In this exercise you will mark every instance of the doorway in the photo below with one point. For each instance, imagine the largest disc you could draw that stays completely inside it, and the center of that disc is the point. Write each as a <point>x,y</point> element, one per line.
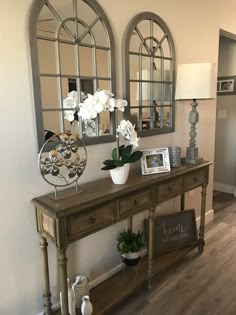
<point>225,140</point>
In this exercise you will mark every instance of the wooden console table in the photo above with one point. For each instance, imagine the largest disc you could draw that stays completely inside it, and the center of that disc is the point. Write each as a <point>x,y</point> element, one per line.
<point>100,204</point>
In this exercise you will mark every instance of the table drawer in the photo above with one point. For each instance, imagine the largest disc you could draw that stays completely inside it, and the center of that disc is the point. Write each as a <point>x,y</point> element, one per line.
<point>90,220</point>
<point>169,189</point>
<point>135,202</point>
<point>194,179</point>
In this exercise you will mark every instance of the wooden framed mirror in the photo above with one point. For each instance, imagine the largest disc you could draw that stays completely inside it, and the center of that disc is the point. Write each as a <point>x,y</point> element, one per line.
<point>149,63</point>
<point>72,48</point>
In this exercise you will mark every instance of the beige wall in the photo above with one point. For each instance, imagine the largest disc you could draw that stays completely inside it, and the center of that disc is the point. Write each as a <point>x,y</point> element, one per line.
<point>195,28</point>
<point>225,145</point>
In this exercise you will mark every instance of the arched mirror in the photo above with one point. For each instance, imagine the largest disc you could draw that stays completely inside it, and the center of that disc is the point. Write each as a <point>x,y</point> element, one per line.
<point>72,48</point>
<point>149,74</point>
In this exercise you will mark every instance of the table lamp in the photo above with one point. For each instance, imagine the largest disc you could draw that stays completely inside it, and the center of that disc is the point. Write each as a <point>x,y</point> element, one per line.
<point>195,81</point>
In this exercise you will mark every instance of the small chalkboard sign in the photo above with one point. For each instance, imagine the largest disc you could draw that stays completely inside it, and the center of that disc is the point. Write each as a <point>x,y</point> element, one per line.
<point>173,231</point>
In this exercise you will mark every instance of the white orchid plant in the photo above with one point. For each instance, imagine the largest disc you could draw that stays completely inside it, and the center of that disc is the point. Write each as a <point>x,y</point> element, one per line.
<point>104,100</point>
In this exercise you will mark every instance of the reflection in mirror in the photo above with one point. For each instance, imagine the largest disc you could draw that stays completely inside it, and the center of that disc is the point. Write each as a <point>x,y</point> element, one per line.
<point>149,68</point>
<point>72,48</point>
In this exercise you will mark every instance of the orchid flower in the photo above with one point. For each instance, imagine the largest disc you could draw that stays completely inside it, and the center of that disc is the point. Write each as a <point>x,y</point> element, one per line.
<point>89,109</point>
<point>93,105</point>
<point>126,129</point>
<point>102,100</point>
<point>121,104</point>
<point>71,101</point>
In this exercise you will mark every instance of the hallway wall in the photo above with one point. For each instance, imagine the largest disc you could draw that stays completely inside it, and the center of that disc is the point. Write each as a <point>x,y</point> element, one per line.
<point>225,144</point>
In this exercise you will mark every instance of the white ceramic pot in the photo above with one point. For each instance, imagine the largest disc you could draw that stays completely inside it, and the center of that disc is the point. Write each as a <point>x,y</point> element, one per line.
<point>130,255</point>
<point>131,259</point>
<point>119,175</point>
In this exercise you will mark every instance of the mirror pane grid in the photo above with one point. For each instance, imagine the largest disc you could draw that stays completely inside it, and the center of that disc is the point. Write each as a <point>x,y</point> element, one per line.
<point>75,50</point>
<point>67,59</point>
<point>149,53</point>
<point>47,54</point>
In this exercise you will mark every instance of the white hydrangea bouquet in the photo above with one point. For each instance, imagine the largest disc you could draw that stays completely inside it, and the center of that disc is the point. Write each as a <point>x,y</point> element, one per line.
<point>104,100</point>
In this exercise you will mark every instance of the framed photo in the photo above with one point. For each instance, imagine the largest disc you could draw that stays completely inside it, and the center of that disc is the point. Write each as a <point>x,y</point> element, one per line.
<point>155,161</point>
<point>226,85</point>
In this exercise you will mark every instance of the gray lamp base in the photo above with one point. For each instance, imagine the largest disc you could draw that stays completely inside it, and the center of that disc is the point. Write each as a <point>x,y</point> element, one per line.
<point>192,156</point>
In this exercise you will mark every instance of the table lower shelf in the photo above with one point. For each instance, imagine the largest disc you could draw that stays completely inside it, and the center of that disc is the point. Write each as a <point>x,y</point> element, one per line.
<point>116,289</point>
<point>124,283</point>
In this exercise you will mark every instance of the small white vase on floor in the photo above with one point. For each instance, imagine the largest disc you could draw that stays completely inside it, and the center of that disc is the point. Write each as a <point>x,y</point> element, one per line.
<point>86,307</point>
<point>119,175</point>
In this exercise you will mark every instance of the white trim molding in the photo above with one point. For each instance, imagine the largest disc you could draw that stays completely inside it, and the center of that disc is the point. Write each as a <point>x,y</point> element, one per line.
<point>225,188</point>
<point>209,216</point>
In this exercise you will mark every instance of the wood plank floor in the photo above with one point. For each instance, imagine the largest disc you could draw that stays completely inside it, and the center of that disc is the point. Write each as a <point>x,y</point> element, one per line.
<point>196,285</point>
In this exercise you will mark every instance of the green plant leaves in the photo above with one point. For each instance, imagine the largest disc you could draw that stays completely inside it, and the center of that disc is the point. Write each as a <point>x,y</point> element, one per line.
<point>108,167</point>
<point>128,241</point>
<point>121,150</point>
<point>110,164</point>
<point>135,156</point>
<point>125,156</point>
<point>114,154</point>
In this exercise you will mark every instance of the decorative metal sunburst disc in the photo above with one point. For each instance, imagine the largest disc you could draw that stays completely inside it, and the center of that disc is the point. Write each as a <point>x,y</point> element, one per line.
<point>62,160</point>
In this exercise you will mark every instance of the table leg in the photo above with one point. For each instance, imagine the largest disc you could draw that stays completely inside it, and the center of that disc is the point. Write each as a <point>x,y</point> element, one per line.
<point>46,292</point>
<point>62,260</point>
<point>182,201</point>
<point>150,247</point>
<point>202,219</point>
<point>130,223</point>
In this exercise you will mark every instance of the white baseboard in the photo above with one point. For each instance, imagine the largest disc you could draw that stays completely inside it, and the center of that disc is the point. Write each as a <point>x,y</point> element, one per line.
<point>209,216</point>
<point>105,276</point>
<point>55,307</point>
<point>110,273</point>
<point>225,188</point>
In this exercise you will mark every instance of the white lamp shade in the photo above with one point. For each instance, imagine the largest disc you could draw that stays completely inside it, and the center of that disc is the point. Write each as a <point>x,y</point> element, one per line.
<point>196,81</point>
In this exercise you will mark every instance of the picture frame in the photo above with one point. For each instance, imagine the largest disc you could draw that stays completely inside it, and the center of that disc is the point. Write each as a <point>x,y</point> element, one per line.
<point>155,161</point>
<point>226,85</point>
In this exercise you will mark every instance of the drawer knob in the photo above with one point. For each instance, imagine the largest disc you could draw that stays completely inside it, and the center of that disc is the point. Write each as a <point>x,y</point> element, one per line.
<point>169,189</point>
<point>92,220</point>
<point>195,179</point>
<point>135,202</point>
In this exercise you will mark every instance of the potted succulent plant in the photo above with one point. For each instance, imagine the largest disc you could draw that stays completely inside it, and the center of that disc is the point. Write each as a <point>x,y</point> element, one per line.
<point>129,244</point>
